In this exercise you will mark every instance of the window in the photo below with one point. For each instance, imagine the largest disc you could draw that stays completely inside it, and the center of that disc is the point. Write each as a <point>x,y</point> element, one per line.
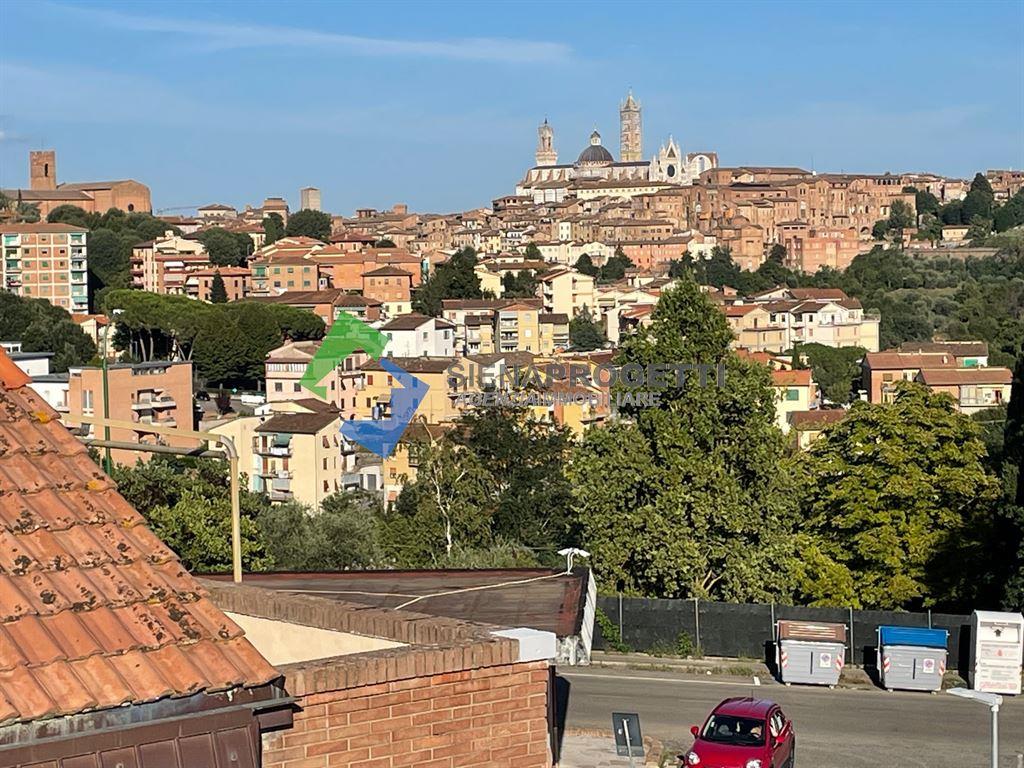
<point>327,487</point>
<point>278,386</point>
<point>87,401</point>
<point>296,387</point>
<point>792,394</point>
<point>325,462</point>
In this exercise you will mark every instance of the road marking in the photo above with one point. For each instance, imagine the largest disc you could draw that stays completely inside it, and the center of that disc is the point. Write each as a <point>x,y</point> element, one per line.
<point>740,682</point>
<point>757,680</point>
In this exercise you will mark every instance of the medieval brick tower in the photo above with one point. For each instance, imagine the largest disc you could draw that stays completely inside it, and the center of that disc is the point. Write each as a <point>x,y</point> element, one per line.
<point>42,169</point>
<point>631,148</point>
<point>546,154</point>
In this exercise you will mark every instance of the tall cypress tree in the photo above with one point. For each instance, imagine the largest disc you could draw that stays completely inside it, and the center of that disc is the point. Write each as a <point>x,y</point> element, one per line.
<point>218,293</point>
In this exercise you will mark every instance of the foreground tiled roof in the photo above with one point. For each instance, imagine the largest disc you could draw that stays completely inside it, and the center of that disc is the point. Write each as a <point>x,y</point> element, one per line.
<point>95,611</point>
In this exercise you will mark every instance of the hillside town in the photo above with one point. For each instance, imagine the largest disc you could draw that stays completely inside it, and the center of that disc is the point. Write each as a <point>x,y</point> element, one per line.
<point>593,243</point>
<point>736,386</point>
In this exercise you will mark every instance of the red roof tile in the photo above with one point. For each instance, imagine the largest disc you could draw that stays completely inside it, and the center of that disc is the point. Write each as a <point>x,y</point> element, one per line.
<point>95,611</point>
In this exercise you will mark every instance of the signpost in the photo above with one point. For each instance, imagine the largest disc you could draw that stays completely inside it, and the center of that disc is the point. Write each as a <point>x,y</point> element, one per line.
<point>993,702</point>
<point>628,740</point>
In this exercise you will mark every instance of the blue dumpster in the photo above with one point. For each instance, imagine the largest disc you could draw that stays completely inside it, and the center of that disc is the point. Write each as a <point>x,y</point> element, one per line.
<point>911,658</point>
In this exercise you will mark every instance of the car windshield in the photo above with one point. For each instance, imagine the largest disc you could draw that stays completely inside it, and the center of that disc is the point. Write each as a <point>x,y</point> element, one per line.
<point>729,729</point>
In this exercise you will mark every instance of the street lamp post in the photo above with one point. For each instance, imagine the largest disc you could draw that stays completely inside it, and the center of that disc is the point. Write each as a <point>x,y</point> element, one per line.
<point>993,702</point>
<point>107,464</point>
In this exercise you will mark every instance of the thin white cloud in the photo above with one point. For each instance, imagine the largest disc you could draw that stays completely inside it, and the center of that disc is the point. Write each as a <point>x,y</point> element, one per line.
<point>217,36</point>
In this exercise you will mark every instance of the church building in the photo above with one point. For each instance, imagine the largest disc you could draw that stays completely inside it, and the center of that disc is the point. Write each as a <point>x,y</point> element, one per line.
<point>596,163</point>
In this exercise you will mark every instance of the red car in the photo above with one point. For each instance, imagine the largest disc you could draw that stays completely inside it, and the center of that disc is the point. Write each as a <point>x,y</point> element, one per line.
<point>743,733</point>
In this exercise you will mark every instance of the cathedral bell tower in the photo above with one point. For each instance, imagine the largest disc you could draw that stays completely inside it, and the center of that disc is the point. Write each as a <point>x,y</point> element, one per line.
<point>631,136</point>
<point>546,154</point>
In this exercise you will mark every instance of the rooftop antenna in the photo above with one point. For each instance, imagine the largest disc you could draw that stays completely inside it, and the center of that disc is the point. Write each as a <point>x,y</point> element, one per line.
<point>569,553</point>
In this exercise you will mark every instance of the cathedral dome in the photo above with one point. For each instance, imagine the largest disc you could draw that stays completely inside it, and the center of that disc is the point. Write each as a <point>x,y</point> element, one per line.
<point>595,154</point>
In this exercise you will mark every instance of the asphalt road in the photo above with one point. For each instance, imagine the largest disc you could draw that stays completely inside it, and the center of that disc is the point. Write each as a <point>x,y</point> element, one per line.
<point>842,728</point>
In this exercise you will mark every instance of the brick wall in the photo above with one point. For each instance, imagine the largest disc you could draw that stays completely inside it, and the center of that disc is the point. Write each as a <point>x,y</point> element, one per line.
<point>494,717</point>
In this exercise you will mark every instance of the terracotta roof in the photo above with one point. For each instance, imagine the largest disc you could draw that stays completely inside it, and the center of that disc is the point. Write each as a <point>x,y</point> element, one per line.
<point>414,364</point>
<point>95,611</point>
<point>560,318</point>
<point>906,360</point>
<point>957,348</point>
<point>955,376</point>
<point>326,296</point>
<point>801,377</point>
<point>409,322</point>
<point>387,271</point>
<point>299,423</point>
<point>41,227</point>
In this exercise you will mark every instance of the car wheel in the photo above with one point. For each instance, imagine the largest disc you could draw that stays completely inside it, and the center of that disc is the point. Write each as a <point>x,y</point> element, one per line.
<point>792,757</point>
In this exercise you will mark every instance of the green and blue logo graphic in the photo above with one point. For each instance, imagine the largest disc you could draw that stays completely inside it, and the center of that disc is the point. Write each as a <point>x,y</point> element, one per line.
<point>348,334</point>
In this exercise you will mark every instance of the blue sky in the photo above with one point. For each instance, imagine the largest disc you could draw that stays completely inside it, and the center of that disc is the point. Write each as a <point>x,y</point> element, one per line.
<point>436,105</point>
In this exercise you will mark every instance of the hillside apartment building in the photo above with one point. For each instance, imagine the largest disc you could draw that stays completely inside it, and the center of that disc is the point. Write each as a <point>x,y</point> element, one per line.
<point>46,261</point>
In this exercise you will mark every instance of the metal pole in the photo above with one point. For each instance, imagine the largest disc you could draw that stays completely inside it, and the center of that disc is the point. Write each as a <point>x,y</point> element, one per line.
<point>929,618</point>
<point>995,736</point>
<point>696,622</point>
<point>236,519</point>
<point>620,617</point>
<point>629,744</point>
<point>853,646</point>
<point>107,463</point>
<point>229,449</point>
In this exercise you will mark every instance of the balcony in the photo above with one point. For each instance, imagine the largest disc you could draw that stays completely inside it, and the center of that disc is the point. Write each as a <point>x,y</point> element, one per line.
<point>149,403</point>
<point>274,449</point>
<point>280,495</point>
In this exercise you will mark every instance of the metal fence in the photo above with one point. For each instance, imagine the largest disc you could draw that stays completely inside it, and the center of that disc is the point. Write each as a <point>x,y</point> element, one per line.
<point>747,630</point>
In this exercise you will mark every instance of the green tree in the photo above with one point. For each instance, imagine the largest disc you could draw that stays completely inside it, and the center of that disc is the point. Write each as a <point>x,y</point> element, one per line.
<point>218,292</point>
<point>952,213</point>
<point>245,246</point>
<point>72,214</point>
<point>309,223</point>
<point>585,265</point>
<point>616,266</point>
<point>834,369</point>
<point>926,202</point>
<point>692,498</point>
<point>109,259</point>
<point>187,504</point>
<point>221,246</point>
<point>520,285</point>
<point>273,228</point>
<point>586,333</point>
<point>42,327</point>
<point>492,490</point>
<point>892,490</point>
<point>777,254</point>
<point>533,253</point>
<point>1011,214</point>
<point>221,353</point>
<point>344,534</point>
<point>448,506</point>
<point>530,498</point>
<point>901,217</point>
<point>454,279</point>
<point>384,242</point>
<point>979,200</point>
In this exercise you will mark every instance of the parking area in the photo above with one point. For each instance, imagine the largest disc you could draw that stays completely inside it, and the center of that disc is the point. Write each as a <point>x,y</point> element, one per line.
<point>842,728</point>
